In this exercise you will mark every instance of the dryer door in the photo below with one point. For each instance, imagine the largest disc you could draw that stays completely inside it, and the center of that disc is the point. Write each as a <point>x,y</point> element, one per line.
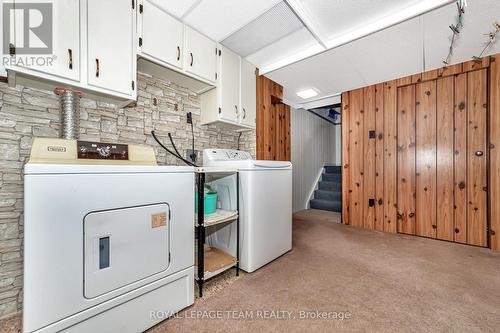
<point>124,245</point>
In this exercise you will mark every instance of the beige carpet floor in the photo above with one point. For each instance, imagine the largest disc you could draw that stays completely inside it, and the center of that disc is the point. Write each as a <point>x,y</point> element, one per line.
<point>385,282</point>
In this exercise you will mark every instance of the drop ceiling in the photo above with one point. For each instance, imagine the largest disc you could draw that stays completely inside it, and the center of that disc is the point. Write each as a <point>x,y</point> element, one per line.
<point>337,45</point>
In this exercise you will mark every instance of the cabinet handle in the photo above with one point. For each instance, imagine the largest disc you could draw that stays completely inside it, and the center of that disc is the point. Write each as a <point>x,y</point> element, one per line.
<point>244,113</point>
<point>96,67</point>
<point>178,53</point>
<point>192,59</point>
<point>236,109</point>
<point>70,56</point>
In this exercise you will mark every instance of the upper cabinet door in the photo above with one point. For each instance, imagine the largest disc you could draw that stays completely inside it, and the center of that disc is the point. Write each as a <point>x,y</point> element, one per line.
<point>162,35</point>
<point>110,45</point>
<point>248,94</point>
<point>200,55</point>
<point>56,54</point>
<point>229,85</point>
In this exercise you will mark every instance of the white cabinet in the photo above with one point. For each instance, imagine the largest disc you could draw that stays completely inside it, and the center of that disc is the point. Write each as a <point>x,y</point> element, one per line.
<point>110,31</point>
<point>168,49</point>
<point>233,102</point>
<point>64,60</point>
<point>229,85</point>
<point>248,93</point>
<point>93,48</point>
<point>160,36</point>
<point>200,55</point>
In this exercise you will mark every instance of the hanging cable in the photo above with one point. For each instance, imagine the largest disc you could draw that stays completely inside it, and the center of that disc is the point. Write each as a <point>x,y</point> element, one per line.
<point>193,153</point>
<point>171,152</point>
<point>173,144</point>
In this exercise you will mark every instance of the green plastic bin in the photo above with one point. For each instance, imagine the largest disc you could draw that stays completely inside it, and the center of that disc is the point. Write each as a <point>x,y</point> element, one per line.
<point>210,203</point>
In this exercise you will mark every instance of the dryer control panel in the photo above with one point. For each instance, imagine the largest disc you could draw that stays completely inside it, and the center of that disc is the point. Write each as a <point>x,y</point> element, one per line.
<point>61,151</point>
<point>213,155</point>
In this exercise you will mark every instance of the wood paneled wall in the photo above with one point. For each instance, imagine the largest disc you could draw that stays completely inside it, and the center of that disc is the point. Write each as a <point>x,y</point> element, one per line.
<point>272,121</point>
<point>420,154</point>
<point>369,157</point>
<point>495,152</point>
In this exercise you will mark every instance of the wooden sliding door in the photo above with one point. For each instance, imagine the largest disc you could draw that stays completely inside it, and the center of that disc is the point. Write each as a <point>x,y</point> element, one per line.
<point>445,133</point>
<point>460,160</point>
<point>476,146</point>
<point>421,154</point>
<point>425,142</point>
<point>442,166</point>
<point>406,160</point>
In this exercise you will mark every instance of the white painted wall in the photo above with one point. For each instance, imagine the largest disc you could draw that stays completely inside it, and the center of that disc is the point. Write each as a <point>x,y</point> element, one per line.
<point>336,139</point>
<point>314,143</point>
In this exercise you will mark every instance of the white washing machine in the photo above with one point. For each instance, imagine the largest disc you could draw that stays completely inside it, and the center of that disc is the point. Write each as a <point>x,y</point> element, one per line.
<point>108,241</point>
<point>265,207</point>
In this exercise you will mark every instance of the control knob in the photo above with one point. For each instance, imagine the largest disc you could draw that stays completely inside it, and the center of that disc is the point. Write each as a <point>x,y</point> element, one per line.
<point>104,151</point>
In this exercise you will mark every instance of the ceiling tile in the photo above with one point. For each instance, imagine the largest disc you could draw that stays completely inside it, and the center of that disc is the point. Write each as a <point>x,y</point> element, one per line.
<point>333,18</point>
<point>220,18</point>
<point>329,73</point>
<point>175,7</point>
<point>389,54</point>
<point>293,45</point>
<point>276,23</point>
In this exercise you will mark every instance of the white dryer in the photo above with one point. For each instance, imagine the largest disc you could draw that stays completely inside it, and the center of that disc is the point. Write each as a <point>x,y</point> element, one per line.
<point>109,241</point>
<point>265,206</point>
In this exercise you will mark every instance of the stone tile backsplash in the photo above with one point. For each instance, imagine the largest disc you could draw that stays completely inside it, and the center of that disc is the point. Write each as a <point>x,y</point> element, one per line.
<point>26,113</point>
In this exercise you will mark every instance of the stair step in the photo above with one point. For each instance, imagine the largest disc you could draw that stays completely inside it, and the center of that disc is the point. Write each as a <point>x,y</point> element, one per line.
<point>333,206</point>
<point>328,195</point>
<point>330,186</point>
<point>332,177</point>
<point>333,169</point>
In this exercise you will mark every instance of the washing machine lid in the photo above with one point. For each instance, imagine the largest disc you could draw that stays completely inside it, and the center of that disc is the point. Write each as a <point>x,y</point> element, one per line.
<point>241,160</point>
<point>248,165</point>
<point>269,165</point>
<point>34,168</point>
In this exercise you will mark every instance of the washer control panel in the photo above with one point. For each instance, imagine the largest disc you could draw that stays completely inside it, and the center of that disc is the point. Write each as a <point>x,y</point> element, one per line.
<point>225,155</point>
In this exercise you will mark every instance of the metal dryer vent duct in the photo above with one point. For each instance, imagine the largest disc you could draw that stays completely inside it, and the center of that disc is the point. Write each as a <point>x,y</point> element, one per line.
<point>70,112</point>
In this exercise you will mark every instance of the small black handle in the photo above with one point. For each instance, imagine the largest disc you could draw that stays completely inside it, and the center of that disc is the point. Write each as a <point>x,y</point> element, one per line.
<point>192,59</point>
<point>178,53</point>
<point>96,67</point>
<point>70,57</point>
<point>244,113</point>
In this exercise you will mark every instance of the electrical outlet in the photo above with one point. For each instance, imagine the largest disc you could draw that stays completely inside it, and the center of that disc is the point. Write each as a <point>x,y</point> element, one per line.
<point>190,154</point>
<point>189,118</point>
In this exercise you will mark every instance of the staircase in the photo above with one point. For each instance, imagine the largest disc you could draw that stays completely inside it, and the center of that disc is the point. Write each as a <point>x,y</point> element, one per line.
<point>328,196</point>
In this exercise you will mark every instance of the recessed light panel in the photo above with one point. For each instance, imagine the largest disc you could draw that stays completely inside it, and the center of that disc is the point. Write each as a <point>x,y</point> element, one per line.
<point>307,93</point>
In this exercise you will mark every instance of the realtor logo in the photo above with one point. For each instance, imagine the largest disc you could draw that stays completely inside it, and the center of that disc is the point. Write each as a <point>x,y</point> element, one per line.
<point>27,27</point>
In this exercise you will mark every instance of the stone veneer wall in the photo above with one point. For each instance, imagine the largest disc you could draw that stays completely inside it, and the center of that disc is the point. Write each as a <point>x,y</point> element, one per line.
<point>26,113</point>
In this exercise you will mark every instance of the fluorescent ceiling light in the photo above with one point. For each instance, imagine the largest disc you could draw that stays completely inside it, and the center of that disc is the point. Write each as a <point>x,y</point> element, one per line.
<point>307,93</point>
